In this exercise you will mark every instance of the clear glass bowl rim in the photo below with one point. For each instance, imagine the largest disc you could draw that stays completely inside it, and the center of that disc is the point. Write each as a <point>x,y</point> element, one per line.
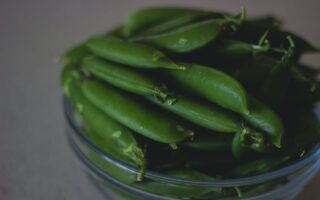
<point>312,156</point>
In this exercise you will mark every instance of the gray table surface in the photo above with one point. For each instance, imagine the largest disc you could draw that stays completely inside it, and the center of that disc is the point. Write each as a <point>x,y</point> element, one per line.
<point>35,160</point>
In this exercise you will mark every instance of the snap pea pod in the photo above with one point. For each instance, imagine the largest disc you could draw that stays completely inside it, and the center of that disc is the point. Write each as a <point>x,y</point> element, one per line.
<point>203,113</point>
<point>126,78</point>
<point>275,86</point>
<point>253,72</point>
<point>123,141</point>
<point>209,143</point>
<point>107,146</point>
<point>255,190</point>
<point>135,114</point>
<point>235,51</point>
<point>239,151</point>
<point>112,169</point>
<point>213,85</point>
<point>146,18</point>
<point>251,31</point>
<point>261,188</point>
<point>264,119</point>
<point>75,55</point>
<point>128,53</point>
<point>178,190</point>
<point>179,22</point>
<point>259,166</point>
<point>187,38</point>
<point>116,32</point>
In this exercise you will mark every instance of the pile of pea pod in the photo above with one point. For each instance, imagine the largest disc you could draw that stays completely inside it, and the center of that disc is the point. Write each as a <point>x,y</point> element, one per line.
<point>196,94</point>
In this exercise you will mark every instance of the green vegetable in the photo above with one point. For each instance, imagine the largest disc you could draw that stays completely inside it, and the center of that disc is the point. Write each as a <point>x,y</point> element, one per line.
<point>123,143</point>
<point>239,151</point>
<point>75,55</point>
<point>178,22</point>
<point>126,78</point>
<point>204,114</point>
<point>264,119</point>
<point>235,51</point>
<point>178,190</point>
<point>212,143</point>
<point>134,114</point>
<point>236,83</point>
<point>213,85</point>
<point>275,86</point>
<point>259,166</point>
<point>144,19</point>
<point>187,38</point>
<point>128,53</point>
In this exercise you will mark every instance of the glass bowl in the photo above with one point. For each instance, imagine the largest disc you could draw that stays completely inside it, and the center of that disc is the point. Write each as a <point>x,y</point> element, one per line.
<point>117,179</point>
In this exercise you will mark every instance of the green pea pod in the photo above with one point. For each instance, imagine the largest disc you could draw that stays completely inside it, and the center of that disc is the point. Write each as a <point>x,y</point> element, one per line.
<point>259,189</point>
<point>126,78</point>
<point>239,151</point>
<point>264,119</point>
<point>253,72</point>
<point>116,32</point>
<point>75,55</point>
<point>122,140</point>
<point>135,114</point>
<point>275,86</point>
<point>213,85</point>
<point>144,19</point>
<point>187,38</point>
<point>209,143</point>
<point>204,114</point>
<point>108,167</point>
<point>178,190</point>
<point>259,166</point>
<point>106,145</point>
<point>251,31</point>
<point>128,53</point>
<point>254,190</point>
<point>235,51</point>
<point>178,22</point>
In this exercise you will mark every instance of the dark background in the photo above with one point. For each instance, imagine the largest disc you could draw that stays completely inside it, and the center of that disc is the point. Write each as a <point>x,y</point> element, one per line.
<point>35,160</point>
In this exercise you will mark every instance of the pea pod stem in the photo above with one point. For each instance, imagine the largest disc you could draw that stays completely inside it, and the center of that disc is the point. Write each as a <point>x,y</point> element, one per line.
<point>255,140</point>
<point>238,20</point>
<point>263,44</point>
